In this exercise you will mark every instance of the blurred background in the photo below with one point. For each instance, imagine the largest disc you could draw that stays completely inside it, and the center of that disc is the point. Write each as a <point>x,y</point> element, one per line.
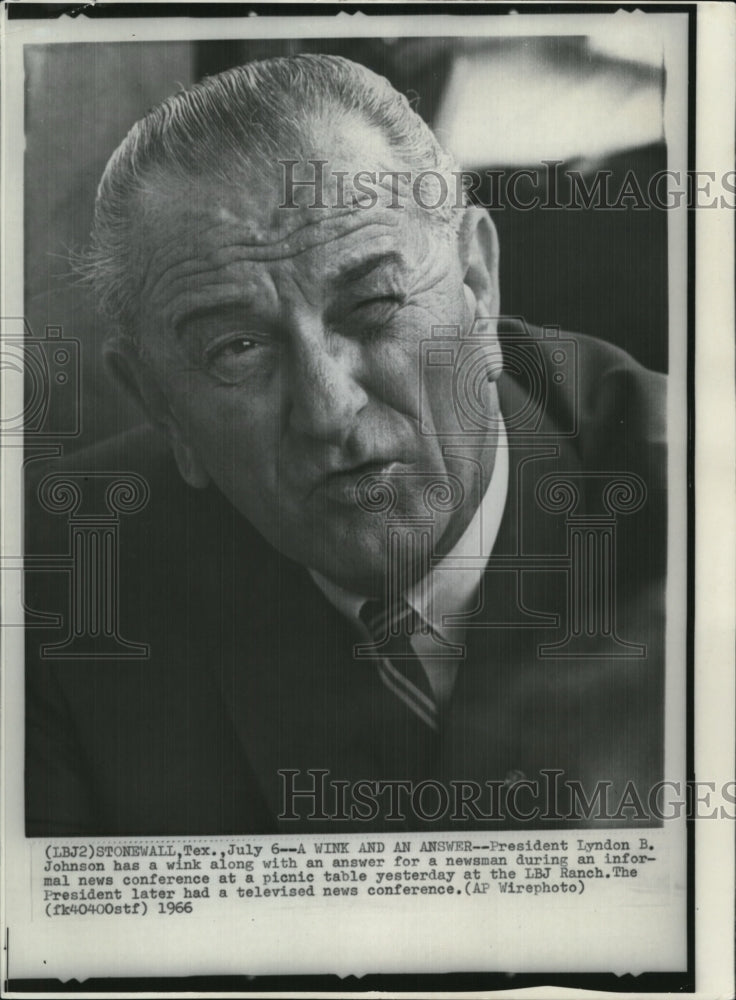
<point>592,103</point>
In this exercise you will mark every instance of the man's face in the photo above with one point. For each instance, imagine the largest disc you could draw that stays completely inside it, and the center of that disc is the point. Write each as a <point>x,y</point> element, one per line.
<point>286,343</point>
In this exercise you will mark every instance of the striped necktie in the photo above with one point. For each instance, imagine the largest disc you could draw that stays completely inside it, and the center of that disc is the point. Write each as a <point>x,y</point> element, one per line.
<point>399,667</point>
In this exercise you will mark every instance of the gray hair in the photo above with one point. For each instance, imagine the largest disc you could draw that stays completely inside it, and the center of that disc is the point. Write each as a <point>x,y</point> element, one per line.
<point>246,115</point>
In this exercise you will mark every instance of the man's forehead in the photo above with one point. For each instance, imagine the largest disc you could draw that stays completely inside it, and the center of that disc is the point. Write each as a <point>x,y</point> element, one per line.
<point>216,234</point>
<point>347,178</point>
<point>255,212</point>
<point>217,242</point>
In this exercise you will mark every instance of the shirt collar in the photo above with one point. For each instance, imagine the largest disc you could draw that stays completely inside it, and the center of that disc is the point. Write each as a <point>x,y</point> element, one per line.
<point>451,586</point>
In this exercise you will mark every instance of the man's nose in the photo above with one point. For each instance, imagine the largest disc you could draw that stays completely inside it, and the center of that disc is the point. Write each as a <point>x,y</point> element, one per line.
<point>325,392</point>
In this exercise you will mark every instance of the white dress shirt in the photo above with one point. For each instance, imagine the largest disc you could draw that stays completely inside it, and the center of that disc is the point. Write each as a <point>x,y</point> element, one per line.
<point>451,586</point>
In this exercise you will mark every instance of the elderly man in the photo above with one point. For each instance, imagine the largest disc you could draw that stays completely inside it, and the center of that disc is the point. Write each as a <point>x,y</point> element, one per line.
<point>400,562</point>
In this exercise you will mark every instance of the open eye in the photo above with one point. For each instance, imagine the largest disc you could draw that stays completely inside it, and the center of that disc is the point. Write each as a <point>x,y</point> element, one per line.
<point>229,356</point>
<point>232,348</point>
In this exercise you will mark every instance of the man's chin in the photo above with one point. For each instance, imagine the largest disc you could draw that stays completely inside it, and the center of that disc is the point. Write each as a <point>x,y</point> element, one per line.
<point>364,566</point>
<point>361,570</point>
<point>359,550</point>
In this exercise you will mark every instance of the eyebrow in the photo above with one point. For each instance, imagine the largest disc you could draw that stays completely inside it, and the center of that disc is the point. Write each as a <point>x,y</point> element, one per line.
<point>356,272</point>
<point>217,310</point>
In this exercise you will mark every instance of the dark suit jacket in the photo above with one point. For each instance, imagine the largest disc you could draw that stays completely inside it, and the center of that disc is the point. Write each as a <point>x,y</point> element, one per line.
<point>250,670</point>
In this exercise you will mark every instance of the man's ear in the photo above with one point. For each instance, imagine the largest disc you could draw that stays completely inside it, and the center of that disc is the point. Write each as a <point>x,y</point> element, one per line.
<point>134,376</point>
<point>478,246</point>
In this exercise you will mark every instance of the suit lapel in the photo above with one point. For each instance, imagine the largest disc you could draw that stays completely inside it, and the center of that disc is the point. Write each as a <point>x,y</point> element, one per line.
<point>515,713</point>
<point>488,735</point>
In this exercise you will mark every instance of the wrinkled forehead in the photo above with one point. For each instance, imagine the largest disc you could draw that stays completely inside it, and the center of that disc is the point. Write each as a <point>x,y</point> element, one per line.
<point>297,196</point>
<point>273,220</point>
<point>207,236</point>
<point>294,195</point>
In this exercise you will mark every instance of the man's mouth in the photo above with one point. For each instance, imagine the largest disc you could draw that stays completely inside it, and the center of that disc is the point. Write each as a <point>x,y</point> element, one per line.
<point>341,484</point>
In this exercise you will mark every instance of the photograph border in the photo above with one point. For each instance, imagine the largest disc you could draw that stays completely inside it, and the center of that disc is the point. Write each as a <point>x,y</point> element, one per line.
<point>682,982</point>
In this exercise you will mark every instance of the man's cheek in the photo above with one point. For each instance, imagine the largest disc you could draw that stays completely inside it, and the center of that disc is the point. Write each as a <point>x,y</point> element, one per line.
<point>396,382</point>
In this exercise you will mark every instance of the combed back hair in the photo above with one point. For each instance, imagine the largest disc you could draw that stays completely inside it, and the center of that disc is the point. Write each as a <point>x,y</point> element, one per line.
<point>247,117</point>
